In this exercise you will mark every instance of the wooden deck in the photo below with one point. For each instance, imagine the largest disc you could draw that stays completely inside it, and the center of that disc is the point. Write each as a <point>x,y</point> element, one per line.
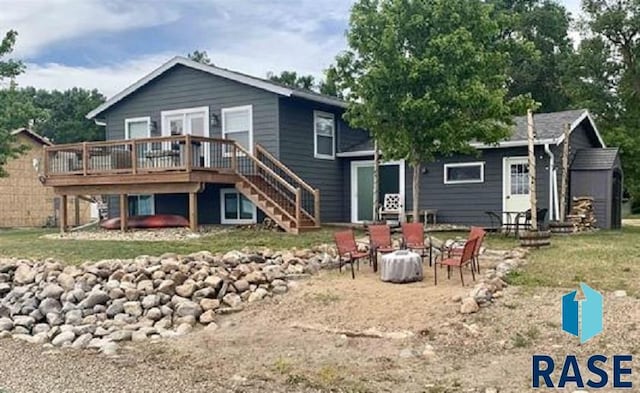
<point>181,164</point>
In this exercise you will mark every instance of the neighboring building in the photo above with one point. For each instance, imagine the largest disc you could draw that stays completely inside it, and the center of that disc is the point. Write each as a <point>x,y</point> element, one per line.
<point>297,143</point>
<point>24,201</point>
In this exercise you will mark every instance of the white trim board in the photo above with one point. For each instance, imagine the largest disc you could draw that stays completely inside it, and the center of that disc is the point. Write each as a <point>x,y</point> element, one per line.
<point>243,108</point>
<point>464,164</point>
<point>165,131</point>
<point>129,120</point>
<point>353,186</point>
<point>225,221</point>
<point>217,71</point>
<point>317,155</point>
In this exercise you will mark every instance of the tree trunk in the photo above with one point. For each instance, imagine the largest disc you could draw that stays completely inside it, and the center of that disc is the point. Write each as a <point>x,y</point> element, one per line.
<point>532,172</point>
<point>565,174</point>
<point>417,172</point>
<point>376,180</point>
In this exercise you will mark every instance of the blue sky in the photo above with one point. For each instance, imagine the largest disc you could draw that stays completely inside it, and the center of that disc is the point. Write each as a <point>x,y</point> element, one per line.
<point>108,44</point>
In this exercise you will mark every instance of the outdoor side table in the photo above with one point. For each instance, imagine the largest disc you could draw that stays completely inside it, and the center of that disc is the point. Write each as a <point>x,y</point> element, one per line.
<point>401,266</point>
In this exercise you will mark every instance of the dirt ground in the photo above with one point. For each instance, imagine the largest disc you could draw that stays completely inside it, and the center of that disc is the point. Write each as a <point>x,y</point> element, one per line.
<point>263,349</point>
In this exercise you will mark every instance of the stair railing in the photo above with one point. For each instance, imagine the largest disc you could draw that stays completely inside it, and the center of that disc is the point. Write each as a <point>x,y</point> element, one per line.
<point>309,196</point>
<point>264,180</point>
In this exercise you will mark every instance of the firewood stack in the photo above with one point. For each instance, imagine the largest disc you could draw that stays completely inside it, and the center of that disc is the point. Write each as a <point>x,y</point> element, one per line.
<point>582,214</point>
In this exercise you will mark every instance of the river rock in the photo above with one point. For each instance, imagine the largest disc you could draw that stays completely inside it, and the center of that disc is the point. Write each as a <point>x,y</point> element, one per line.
<point>24,274</point>
<point>63,338</point>
<point>133,308</point>
<point>94,298</point>
<point>6,324</point>
<point>469,306</point>
<point>188,308</point>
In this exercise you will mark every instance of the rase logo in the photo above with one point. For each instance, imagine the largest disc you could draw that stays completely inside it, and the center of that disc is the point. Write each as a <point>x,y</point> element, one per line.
<point>591,323</point>
<point>583,319</point>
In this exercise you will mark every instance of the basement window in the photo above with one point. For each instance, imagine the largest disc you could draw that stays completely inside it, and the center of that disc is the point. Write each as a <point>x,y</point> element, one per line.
<point>235,208</point>
<point>462,173</point>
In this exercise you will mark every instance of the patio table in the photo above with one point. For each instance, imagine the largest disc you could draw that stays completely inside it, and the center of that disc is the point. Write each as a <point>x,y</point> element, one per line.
<point>401,266</point>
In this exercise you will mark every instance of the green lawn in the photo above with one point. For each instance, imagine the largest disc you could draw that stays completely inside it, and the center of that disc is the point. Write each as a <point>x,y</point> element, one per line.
<point>606,260</point>
<point>29,244</point>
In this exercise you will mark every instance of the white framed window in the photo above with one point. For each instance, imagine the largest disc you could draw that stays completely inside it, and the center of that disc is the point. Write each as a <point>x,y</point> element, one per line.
<point>137,128</point>
<point>235,208</point>
<point>464,172</point>
<point>192,121</point>
<point>142,205</point>
<point>237,124</point>
<point>324,132</point>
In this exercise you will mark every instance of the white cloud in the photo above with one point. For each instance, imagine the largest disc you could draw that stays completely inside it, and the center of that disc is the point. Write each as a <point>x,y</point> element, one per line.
<point>42,23</point>
<point>109,79</point>
<point>248,36</point>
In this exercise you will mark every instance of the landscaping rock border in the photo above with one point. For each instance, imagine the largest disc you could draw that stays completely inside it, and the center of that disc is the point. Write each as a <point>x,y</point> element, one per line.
<point>98,305</point>
<point>492,282</point>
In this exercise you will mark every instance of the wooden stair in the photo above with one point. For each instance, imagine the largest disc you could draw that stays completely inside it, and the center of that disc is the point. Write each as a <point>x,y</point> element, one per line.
<point>277,191</point>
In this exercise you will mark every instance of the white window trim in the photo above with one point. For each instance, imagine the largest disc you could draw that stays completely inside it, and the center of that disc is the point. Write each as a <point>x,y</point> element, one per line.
<point>136,120</point>
<point>243,108</point>
<point>223,220</point>
<point>165,124</point>
<point>464,164</point>
<point>315,136</point>
<point>153,201</point>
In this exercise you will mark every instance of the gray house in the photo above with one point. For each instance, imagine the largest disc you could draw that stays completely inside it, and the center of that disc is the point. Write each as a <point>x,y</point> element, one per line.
<point>321,169</point>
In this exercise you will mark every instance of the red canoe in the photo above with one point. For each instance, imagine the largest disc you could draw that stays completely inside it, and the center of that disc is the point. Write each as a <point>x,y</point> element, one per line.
<point>155,221</point>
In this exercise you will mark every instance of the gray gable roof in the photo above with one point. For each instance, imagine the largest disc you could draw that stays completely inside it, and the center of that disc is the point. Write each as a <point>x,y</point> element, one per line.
<point>595,159</point>
<point>547,125</point>
<point>549,129</point>
<point>249,80</point>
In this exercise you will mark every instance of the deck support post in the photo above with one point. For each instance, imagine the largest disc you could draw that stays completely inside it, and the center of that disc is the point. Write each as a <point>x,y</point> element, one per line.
<point>63,213</point>
<point>193,211</point>
<point>76,214</point>
<point>124,212</point>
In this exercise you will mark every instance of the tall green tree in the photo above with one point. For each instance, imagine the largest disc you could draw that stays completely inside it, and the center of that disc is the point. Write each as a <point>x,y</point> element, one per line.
<point>293,79</point>
<point>608,77</point>
<point>426,78</point>
<point>9,69</point>
<point>540,50</point>
<point>65,120</point>
<point>201,56</point>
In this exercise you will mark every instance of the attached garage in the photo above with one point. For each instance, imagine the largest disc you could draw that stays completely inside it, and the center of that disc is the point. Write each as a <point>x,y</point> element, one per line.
<point>597,173</point>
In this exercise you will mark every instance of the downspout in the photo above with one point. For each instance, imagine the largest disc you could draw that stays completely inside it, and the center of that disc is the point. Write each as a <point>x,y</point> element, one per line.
<point>552,212</point>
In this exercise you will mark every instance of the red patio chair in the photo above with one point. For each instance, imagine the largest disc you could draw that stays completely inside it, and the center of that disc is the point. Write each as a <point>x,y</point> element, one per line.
<point>380,242</point>
<point>475,232</point>
<point>465,258</point>
<point>348,250</point>
<point>413,239</point>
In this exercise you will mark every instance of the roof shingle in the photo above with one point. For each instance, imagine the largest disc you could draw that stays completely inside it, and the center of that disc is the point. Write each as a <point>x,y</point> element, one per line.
<point>595,159</point>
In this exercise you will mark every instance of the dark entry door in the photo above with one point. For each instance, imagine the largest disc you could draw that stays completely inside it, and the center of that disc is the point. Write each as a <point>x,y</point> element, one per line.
<point>616,200</point>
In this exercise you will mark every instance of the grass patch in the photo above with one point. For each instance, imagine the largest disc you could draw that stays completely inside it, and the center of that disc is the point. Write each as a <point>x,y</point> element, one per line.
<point>606,260</point>
<point>27,243</point>
<point>282,366</point>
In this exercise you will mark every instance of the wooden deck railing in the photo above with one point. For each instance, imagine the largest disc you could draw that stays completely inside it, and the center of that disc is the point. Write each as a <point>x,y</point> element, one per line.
<point>133,156</point>
<point>185,153</point>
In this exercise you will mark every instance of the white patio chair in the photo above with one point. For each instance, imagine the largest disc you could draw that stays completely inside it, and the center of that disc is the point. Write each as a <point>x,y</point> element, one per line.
<point>392,206</point>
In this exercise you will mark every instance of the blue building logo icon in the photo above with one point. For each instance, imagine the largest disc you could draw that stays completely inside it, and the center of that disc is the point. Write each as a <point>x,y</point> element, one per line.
<point>582,318</point>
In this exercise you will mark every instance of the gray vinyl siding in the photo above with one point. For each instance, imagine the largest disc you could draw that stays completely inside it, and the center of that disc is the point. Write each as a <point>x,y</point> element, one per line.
<point>296,152</point>
<point>466,204</point>
<point>208,205</point>
<point>582,137</point>
<point>183,87</point>
<point>596,184</point>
